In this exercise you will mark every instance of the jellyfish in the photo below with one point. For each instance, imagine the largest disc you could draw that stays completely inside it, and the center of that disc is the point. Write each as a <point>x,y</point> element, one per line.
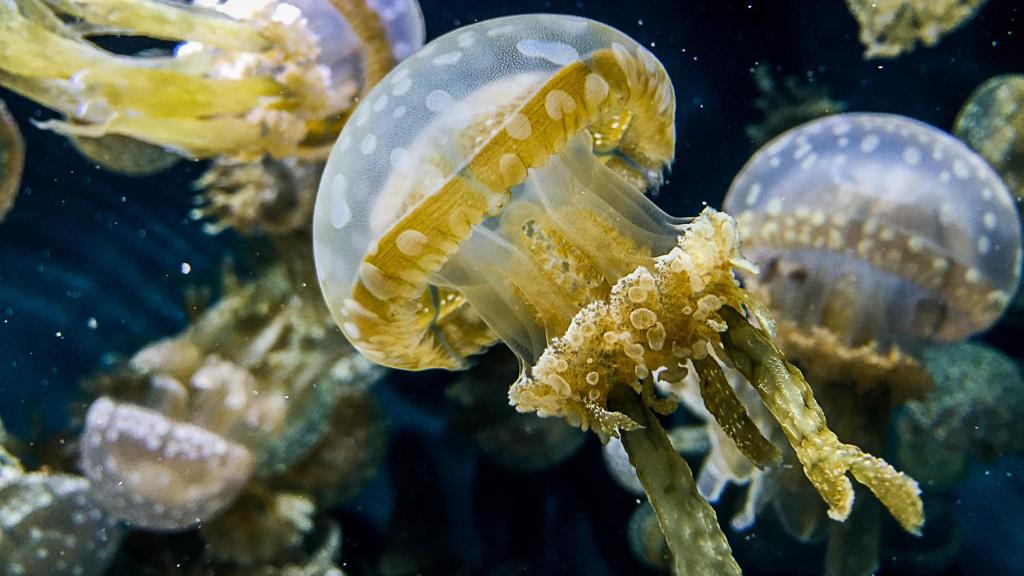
<point>880,229</point>
<point>875,235</point>
<point>124,155</point>
<point>159,472</point>
<point>974,411</point>
<point>513,439</point>
<point>992,122</point>
<point>245,391</point>
<point>245,79</point>
<point>51,524</point>
<point>889,28</point>
<point>787,104</point>
<point>490,188</point>
<point>12,160</point>
<point>350,452</point>
<point>268,196</point>
<point>261,527</point>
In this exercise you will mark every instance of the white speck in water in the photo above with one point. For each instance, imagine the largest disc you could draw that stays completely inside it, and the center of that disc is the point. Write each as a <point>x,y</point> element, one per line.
<point>186,268</point>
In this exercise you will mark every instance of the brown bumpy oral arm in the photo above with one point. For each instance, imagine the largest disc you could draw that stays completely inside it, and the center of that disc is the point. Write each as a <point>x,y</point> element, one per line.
<point>824,458</point>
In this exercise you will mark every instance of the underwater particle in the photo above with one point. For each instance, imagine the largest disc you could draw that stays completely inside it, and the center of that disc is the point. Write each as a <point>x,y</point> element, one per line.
<point>12,160</point>
<point>510,207</point>
<point>787,104</point>
<point>245,78</point>
<point>51,525</point>
<point>268,196</point>
<point>260,527</point>
<point>124,155</point>
<point>513,439</point>
<point>878,228</point>
<point>889,28</point>
<point>157,473</point>
<point>992,123</point>
<point>975,409</point>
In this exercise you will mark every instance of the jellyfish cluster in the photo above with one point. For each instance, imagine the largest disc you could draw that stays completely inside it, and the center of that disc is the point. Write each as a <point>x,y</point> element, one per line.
<point>509,205</point>
<point>480,204</point>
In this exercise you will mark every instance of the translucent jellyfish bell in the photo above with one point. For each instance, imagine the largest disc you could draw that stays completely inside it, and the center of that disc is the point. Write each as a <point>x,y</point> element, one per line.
<point>156,472</point>
<point>492,186</point>
<point>12,160</point>
<point>340,46</point>
<point>51,525</point>
<point>879,227</point>
<point>452,129</point>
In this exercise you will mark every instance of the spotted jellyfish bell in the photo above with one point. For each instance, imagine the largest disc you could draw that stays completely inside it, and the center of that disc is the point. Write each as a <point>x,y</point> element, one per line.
<point>50,525</point>
<point>492,187</point>
<point>156,471</point>
<point>879,228</point>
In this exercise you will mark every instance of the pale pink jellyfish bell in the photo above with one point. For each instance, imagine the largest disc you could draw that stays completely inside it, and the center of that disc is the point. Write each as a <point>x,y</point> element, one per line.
<point>879,228</point>
<point>156,472</point>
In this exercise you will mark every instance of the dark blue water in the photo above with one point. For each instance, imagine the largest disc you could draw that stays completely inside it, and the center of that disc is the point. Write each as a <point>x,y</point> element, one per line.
<point>93,265</point>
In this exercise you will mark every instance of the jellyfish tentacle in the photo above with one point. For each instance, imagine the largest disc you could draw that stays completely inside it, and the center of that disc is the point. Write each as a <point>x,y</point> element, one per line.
<point>689,523</point>
<point>824,457</point>
<point>721,401</point>
<point>378,59</point>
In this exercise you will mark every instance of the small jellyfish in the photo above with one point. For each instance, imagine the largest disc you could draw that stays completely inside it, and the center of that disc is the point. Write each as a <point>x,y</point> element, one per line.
<point>156,472</point>
<point>261,527</point>
<point>50,525</point>
<point>880,229</point>
<point>124,155</point>
<point>889,28</point>
<point>245,78</point>
<point>992,122</point>
<point>513,439</point>
<point>491,187</point>
<point>646,541</point>
<point>786,104</point>
<point>350,453</point>
<point>268,196</point>
<point>12,160</point>
<point>975,409</point>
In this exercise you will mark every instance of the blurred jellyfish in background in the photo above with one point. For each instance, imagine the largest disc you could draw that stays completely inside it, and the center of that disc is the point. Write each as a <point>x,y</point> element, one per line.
<point>992,123</point>
<point>889,28</point>
<point>50,524</point>
<point>261,88</point>
<point>247,390</point>
<point>975,410</point>
<point>516,440</point>
<point>874,235</point>
<point>491,187</point>
<point>12,160</point>
<point>246,78</point>
<point>786,103</point>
